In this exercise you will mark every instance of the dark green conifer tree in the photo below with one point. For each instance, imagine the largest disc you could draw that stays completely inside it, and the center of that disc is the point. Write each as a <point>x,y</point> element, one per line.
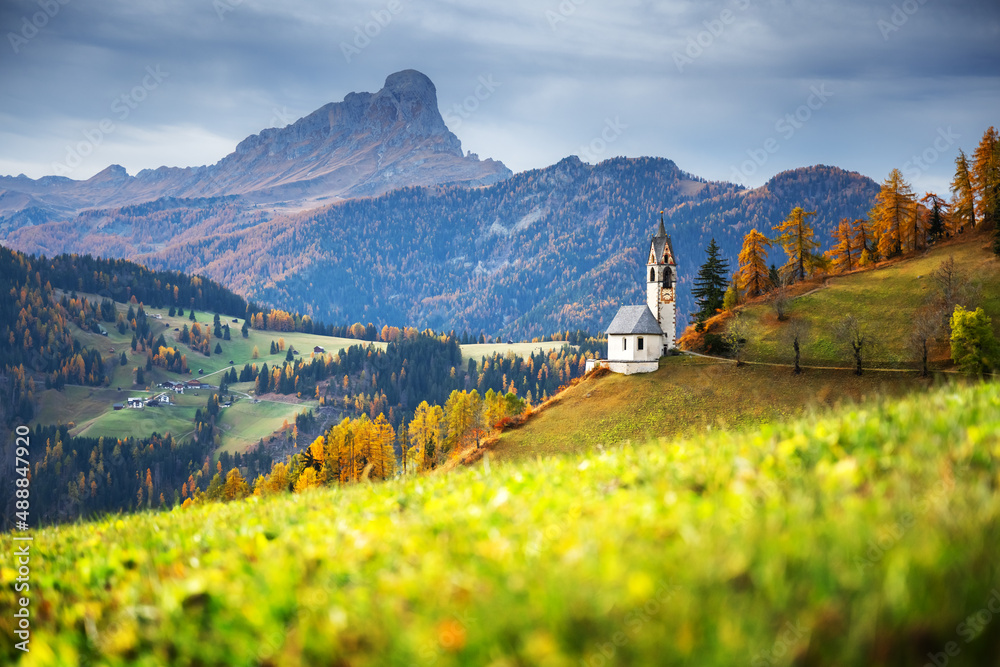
<point>710,286</point>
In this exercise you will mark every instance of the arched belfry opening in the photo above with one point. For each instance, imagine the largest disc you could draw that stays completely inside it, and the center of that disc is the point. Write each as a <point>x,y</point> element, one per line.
<point>652,275</point>
<point>668,281</point>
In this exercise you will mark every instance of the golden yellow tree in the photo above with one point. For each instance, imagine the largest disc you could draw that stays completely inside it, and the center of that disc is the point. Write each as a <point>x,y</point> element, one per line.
<point>753,278</point>
<point>844,253</point>
<point>275,482</point>
<point>425,435</point>
<point>383,454</point>
<point>236,487</point>
<point>963,198</point>
<point>985,178</point>
<point>796,237</point>
<point>894,216</point>
<point>307,480</point>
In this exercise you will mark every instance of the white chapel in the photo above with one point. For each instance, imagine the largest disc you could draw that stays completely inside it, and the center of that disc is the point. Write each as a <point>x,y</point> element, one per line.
<point>639,335</point>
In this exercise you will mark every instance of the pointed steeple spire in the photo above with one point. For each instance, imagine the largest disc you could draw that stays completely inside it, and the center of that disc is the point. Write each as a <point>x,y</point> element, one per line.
<point>662,231</point>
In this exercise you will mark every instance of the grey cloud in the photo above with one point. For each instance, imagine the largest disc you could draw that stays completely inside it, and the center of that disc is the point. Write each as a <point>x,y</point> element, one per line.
<point>566,66</point>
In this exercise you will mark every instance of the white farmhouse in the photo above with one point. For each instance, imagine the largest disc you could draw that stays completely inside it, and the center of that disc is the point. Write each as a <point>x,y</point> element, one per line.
<point>639,335</point>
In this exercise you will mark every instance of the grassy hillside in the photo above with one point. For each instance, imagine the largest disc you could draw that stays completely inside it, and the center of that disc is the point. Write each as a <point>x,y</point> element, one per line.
<point>687,395</point>
<point>887,299</point>
<point>865,537</point>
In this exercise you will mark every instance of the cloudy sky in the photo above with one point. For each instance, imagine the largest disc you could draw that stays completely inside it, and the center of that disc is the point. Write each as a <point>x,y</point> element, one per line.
<point>733,90</point>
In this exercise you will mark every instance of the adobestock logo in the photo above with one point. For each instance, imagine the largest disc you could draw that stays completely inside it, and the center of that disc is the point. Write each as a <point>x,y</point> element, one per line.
<point>786,127</point>
<point>460,111</point>
<point>366,32</point>
<point>30,27</point>
<point>701,42</point>
<point>613,129</point>
<point>918,165</point>
<point>122,107</point>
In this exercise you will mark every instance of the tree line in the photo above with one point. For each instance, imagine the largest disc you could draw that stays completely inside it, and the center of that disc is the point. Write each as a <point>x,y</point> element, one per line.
<point>899,224</point>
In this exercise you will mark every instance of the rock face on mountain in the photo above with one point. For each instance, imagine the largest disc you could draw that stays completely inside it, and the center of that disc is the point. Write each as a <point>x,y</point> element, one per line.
<point>368,144</point>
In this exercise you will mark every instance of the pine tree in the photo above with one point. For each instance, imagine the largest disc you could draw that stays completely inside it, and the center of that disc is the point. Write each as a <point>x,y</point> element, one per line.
<point>937,216</point>
<point>963,199</point>
<point>710,286</point>
<point>796,237</point>
<point>895,216</point>
<point>753,277</point>
<point>843,253</point>
<point>773,276</point>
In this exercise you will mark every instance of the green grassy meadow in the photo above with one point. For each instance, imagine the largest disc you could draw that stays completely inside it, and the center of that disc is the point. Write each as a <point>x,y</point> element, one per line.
<point>477,351</point>
<point>862,536</point>
<point>887,299</point>
<point>687,395</point>
<point>245,423</point>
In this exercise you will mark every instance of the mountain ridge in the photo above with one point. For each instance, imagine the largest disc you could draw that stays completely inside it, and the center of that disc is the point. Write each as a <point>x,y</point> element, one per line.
<point>367,144</point>
<point>546,250</point>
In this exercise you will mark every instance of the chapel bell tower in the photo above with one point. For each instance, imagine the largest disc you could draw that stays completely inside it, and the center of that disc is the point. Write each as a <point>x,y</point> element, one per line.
<point>661,285</point>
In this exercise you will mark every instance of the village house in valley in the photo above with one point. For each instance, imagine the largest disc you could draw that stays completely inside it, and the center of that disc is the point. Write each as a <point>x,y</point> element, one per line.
<point>639,335</point>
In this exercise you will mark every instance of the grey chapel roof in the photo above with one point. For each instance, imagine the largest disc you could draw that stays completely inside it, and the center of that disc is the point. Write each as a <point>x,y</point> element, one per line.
<point>634,320</point>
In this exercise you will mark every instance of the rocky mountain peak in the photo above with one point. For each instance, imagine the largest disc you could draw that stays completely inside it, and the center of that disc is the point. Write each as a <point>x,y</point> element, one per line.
<point>368,144</point>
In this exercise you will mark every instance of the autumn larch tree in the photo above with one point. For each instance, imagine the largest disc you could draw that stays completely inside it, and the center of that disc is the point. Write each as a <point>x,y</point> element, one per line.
<point>425,435</point>
<point>235,486</point>
<point>753,277</point>
<point>710,286</point>
<point>985,177</point>
<point>894,216</point>
<point>796,237</point>
<point>843,253</point>
<point>963,199</point>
